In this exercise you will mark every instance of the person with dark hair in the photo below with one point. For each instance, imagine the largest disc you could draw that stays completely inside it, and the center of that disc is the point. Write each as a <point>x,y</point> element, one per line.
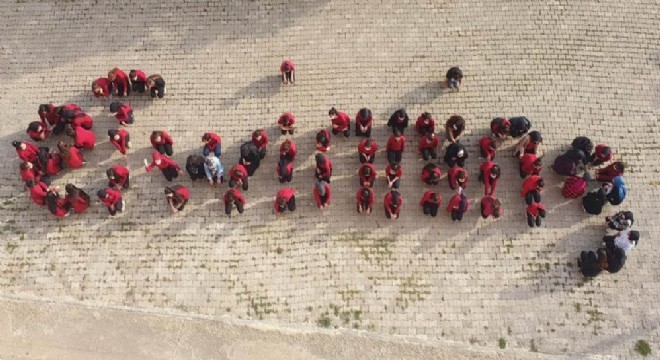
<point>238,176</point>
<point>615,192</point>
<point>393,202</point>
<point>195,167</point>
<point>71,155</point>
<point>529,164</point>
<point>568,163</point>
<point>233,197</point>
<point>56,205</point>
<point>77,119</point>
<point>428,146</point>
<point>615,260</point>
<point>365,200</point>
<point>431,174</point>
<point>215,172</point>
<point>367,151</point>
<point>77,198</point>
<point>396,144</point>
<point>399,121</point>
<point>177,197</point>
<point>454,128</point>
<point>26,151</point>
<point>288,70</point>
<point>393,174</point>
<point>611,171</point>
<point>491,206</point>
<point>488,147</point>
<point>156,86</point>
<point>531,189</point>
<point>367,174</point>
<point>458,178</point>
<point>591,264</point>
<point>48,113</point>
<point>489,174</point>
<point>122,112</point>
<point>73,108</point>
<point>120,139</point>
<point>620,221</point>
<point>285,199</point>
<point>138,80</point>
<point>120,81</point>
<point>284,170</point>
<point>425,124</point>
<point>454,77</point>
<point>593,202</point>
<point>30,172</point>
<point>430,203</point>
<point>535,213</point>
<point>260,140</point>
<point>38,131</point>
<point>575,186</point>
<point>323,140</point>
<point>529,144</point>
<point>601,155</point>
<point>112,199</point>
<point>625,240</point>
<point>363,123</point>
<point>322,194</point>
<point>167,166</point>
<point>341,122</point>
<point>288,150</point>
<point>162,142</point>
<point>287,123</point>
<point>584,144</point>
<point>118,177</point>
<point>323,167</point>
<point>500,127</point>
<point>102,87</point>
<point>520,125</point>
<point>456,155</point>
<point>250,157</point>
<point>82,138</point>
<point>38,191</point>
<point>50,163</point>
<point>458,206</point>
<point>212,144</point>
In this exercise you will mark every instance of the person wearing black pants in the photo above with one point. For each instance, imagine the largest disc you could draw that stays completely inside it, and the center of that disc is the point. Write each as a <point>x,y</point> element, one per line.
<point>232,198</point>
<point>531,189</point>
<point>396,144</point>
<point>238,175</point>
<point>430,203</point>
<point>456,155</point>
<point>156,85</point>
<point>458,205</point>
<point>162,141</point>
<point>284,200</point>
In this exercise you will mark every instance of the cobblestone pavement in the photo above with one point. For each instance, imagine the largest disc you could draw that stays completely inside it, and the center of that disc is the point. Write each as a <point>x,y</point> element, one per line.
<point>573,67</point>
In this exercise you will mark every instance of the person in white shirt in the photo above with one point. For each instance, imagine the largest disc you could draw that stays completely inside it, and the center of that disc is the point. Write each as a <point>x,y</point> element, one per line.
<point>624,240</point>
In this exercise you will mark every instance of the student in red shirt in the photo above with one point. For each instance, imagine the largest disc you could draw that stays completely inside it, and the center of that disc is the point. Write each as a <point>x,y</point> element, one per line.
<point>83,138</point>
<point>287,123</point>
<point>458,206</point>
<point>428,146</point>
<point>488,147</point>
<point>425,124</point>
<point>162,141</point>
<point>38,191</point>
<point>232,198</point>
<point>608,173</point>
<point>77,119</point>
<point>367,174</point>
<point>458,178</point>
<point>393,174</point>
<point>489,173</point>
<point>156,86</point>
<point>365,200</point>
<point>120,81</point>
<point>48,113</point>
<point>500,127</point>
<point>535,213</point>
<point>71,155</point>
<point>51,164</point>
<point>531,189</point>
<point>322,194</point>
<point>431,174</point>
<point>491,206</point>
<point>367,151</point>
<point>288,70</point>
<point>601,155</point>
<point>288,150</point>
<point>138,80</point>
<point>177,197</point>
<point>212,143</point>
<point>430,203</point>
<point>77,198</point>
<point>323,167</point>
<point>122,112</point>
<point>38,131</point>
<point>530,164</point>
<point>284,170</point>
<point>260,140</point>
<point>102,87</point>
<point>529,144</point>
<point>285,199</point>
<point>398,121</point>
<point>167,166</point>
<point>454,128</point>
<point>323,140</point>
<point>26,151</point>
<point>112,199</point>
<point>30,172</point>
<point>363,123</point>
<point>396,144</point>
<point>341,123</point>
<point>392,202</point>
<point>120,139</point>
<point>57,205</point>
<point>118,177</point>
<point>238,176</point>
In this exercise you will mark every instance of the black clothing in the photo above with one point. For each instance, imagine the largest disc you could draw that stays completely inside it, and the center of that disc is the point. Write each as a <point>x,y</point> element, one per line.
<point>520,125</point>
<point>451,155</point>
<point>588,264</point>
<point>616,258</point>
<point>195,167</point>
<point>594,201</point>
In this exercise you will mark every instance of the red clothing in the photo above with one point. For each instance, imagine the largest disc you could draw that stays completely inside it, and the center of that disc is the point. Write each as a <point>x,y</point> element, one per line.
<point>608,173</point>
<point>121,175</point>
<point>291,154</point>
<point>292,119</point>
<point>490,184</point>
<point>82,120</point>
<point>534,209</point>
<point>341,121</point>
<point>530,147</point>
<point>113,197</point>
<point>72,107</point>
<point>51,116</point>
<point>360,199</point>
<point>321,147</point>
<point>285,63</point>
<point>79,204</point>
<point>85,139</point>
<point>366,123</point>
<point>390,173</point>
<point>484,145</point>
<point>121,78</point>
<point>325,170</point>
<point>427,173</point>
<point>388,204</point>
<point>393,145</point>
<point>60,207</point>
<point>182,191</point>
<point>237,195</point>
<point>289,168</point>
<point>530,184</point>
<point>284,193</point>
<point>214,141</point>
<point>498,129</point>
<point>54,164</point>
<point>369,179</point>
<point>121,143</point>
<point>164,164</point>
<point>30,152</point>
<point>453,178</point>
<point>140,76</point>
<point>233,172</point>
<point>424,143</point>
<point>599,153</point>
<point>165,138</point>
<point>41,134</point>
<point>30,174</point>
<point>260,143</point>
<point>124,113</point>
<point>421,125</point>
<point>427,198</point>
<point>75,159</point>
<point>104,83</point>
<point>527,164</point>
<point>317,196</point>
<point>487,208</point>
<point>38,193</point>
<point>363,150</point>
<point>574,187</point>
<point>455,201</point>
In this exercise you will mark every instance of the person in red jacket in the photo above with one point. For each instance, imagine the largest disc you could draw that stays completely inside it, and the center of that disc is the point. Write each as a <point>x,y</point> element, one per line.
<point>458,178</point>
<point>531,189</point>
<point>71,155</point>
<point>288,70</point>
<point>530,164</point>
<point>431,174</point>
<point>162,141</point>
<point>238,176</point>
<point>26,151</point>
<point>120,139</point>
<point>48,113</point>
<point>38,131</point>
<point>323,167</point>
<point>212,143</point>
<point>285,199</point>
<point>323,140</point>
<point>454,128</point>
<point>284,170</point>
<point>428,146</point>
<point>232,198</point>
<point>31,172</point>
<point>287,123</point>
<point>138,80</point>
<point>608,173</point>
<point>77,119</point>
<point>393,174</point>
<point>156,86</point>
<point>102,87</point>
<point>367,174</point>
<point>77,198</point>
<point>430,203</point>
<point>112,199</point>
<point>38,191</point>
<point>425,124</point>
<point>118,177</point>
<point>177,197</point>
<point>82,138</point>
<point>535,212</point>
<point>122,112</point>
<point>488,147</point>
<point>120,82</point>
<point>57,205</point>
<point>322,194</point>
<point>50,163</point>
<point>367,151</point>
<point>601,155</point>
<point>341,123</point>
<point>363,122</point>
<point>500,127</point>
<point>458,206</point>
<point>288,150</point>
<point>365,200</point>
<point>396,144</point>
<point>393,202</point>
<point>167,166</point>
<point>260,140</point>
<point>529,144</point>
<point>491,206</point>
<point>489,174</point>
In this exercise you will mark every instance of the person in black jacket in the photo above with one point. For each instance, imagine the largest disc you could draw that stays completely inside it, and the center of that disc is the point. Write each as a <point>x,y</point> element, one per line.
<point>591,264</point>
<point>195,167</point>
<point>583,144</point>
<point>454,77</point>
<point>620,221</point>
<point>250,157</point>
<point>456,155</point>
<point>616,258</point>
<point>593,202</point>
<point>520,125</point>
<point>399,120</point>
